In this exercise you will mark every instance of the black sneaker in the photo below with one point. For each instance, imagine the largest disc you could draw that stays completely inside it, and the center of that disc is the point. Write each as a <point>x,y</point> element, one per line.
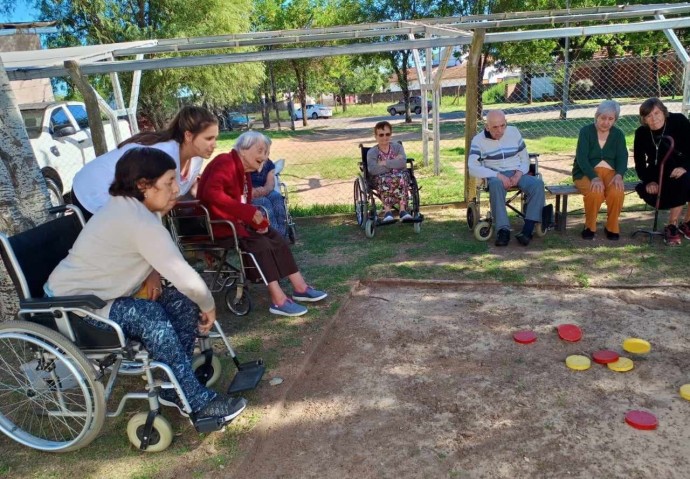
<point>587,234</point>
<point>223,407</point>
<point>612,236</point>
<point>523,239</point>
<point>502,237</point>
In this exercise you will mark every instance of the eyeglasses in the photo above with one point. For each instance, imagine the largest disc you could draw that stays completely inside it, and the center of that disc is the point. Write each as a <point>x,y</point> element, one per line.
<point>381,135</point>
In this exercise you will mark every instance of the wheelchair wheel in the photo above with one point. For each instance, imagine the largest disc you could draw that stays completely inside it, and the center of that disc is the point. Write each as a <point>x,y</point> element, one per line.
<point>238,307</point>
<point>370,228</point>
<point>292,234</point>
<point>483,230</point>
<point>51,399</point>
<point>360,200</point>
<point>161,434</point>
<point>207,375</point>
<point>539,230</point>
<point>472,214</point>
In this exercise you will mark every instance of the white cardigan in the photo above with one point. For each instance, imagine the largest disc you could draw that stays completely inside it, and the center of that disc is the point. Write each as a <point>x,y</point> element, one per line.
<point>116,251</point>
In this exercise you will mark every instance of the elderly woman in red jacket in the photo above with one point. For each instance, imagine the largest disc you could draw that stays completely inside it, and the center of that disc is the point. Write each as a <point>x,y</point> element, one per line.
<point>225,188</point>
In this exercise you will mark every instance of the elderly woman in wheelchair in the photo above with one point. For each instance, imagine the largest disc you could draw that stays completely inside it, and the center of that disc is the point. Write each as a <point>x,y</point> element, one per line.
<point>102,276</point>
<point>269,193</point>
<point>386,163</point>
<point>225,189</point>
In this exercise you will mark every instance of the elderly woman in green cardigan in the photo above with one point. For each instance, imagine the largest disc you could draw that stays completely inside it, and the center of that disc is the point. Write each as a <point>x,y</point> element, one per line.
<point>600,163</point>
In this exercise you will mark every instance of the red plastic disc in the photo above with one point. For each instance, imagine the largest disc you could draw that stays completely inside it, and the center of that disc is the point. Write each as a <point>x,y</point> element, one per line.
<point>605,356</point>
<point>641,420</point>
<point>525,337</point>
<point>569,332</point>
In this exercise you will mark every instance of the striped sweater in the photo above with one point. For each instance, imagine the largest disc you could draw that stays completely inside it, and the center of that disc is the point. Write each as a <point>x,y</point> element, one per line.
<point>488,157</point>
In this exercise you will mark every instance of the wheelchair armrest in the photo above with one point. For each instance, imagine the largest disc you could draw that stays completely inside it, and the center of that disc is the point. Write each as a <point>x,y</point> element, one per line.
<point>81,301</point>
<point>232,227</point>
<point>187,203</point>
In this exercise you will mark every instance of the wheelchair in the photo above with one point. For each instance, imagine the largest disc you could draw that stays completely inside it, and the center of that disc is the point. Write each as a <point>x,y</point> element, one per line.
<point>58,371</point>
<point>482,227</point>
<point>290,224</point>
<point>221,263</point>
<point>365,195</point>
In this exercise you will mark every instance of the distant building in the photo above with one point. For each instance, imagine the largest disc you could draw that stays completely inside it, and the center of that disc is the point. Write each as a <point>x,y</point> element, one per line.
<point>453,76</point>
<point>22,37</point>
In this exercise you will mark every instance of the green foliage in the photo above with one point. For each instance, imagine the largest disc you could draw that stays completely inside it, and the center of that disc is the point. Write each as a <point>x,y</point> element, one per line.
<point>86,22</point>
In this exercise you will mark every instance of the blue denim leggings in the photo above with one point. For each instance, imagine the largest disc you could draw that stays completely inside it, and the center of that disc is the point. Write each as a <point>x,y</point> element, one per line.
<point>275,205</point>
<point>167,329</point>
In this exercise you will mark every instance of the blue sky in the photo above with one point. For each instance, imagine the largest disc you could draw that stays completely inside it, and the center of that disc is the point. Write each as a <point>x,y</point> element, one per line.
<point>23,12</point>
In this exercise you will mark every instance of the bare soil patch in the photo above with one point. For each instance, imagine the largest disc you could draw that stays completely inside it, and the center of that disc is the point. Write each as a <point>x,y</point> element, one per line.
<point>423,380</point>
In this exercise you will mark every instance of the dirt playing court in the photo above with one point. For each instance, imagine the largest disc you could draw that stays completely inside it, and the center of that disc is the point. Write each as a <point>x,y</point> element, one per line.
<point>424,380</point>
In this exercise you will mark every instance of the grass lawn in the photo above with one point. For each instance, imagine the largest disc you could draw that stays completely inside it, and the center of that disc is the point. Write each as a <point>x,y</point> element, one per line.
<point>333,253</point>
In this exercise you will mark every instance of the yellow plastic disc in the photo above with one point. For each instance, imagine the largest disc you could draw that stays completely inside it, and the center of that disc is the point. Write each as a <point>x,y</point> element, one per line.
<point>637,346</point>
<point>622,365</point>
<point>685,391</point>
<point>577,362</point>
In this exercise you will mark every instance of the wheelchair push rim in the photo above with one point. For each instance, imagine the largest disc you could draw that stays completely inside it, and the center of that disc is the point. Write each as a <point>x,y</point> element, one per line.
<point>360,202</point>
<point>50,398</point>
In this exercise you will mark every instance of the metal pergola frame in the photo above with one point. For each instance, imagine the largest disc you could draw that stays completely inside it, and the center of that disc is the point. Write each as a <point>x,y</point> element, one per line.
<point>445,33</point>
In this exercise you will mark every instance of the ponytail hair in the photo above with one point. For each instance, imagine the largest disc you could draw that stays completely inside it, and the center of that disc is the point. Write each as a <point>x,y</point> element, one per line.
<point>193,119</point>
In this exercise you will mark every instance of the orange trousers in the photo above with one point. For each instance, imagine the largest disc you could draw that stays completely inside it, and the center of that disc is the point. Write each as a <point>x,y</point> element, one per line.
<point>593,201</point>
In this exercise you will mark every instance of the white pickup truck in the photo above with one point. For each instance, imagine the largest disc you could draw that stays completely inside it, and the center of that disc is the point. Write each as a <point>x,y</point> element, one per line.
<point>61,139</point>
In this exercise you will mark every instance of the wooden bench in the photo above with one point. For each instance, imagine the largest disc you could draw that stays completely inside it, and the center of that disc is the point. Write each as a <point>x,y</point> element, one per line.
<point>561,192</point>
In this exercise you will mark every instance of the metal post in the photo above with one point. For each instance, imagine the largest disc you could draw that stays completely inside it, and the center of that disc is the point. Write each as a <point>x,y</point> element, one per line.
<point>566,74</point>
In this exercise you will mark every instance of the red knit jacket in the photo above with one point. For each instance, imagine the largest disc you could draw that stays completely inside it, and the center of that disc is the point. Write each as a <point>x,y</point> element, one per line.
<point>220,189</point>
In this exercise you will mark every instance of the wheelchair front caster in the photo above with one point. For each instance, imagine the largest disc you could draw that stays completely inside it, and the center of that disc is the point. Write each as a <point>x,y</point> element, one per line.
<point>161,433</point>
<point>370,228</point>
<point>241,306</point>
<point>207,374</point>
<point>483,230</point>
<point>472,214</point>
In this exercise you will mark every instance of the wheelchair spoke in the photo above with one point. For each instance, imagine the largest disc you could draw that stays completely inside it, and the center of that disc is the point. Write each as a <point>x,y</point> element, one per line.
<point>46,402</point>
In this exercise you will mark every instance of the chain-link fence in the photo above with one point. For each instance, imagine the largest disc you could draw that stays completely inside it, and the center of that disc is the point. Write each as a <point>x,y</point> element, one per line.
<point>322,156</point>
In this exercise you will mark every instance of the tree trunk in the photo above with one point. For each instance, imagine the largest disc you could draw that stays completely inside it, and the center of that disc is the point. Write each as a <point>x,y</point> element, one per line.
<point>401,74</point>
<point>343,101</point>
<point>100,146</point>
<point>273,93</point>
<point>24,197</point>
<point>301,89</point>
<point>265,106</point>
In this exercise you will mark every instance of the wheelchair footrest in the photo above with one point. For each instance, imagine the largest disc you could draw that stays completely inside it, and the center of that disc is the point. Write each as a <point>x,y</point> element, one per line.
<point>417,219</point>
<point>248,376</point>
<point>379,222</point>
<point>209,424</point>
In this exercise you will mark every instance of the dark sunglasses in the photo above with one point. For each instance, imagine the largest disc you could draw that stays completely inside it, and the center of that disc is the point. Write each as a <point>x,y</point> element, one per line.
<point>381,135</point>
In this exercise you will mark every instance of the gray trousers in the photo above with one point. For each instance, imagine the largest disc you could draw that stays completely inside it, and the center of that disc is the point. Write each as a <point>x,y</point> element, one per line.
<point>533,189</point>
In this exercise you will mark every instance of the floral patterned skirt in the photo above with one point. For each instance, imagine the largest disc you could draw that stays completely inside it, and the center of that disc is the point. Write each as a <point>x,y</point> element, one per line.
<point>393,187</point>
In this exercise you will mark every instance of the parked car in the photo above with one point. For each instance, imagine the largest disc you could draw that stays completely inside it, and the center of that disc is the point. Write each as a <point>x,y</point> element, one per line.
<point>313,112</point>
<point>61,139</point>
<point>238,121</point>
<point>415,106</point>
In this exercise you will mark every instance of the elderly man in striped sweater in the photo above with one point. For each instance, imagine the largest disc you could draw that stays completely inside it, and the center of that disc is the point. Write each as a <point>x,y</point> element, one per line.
<point>499,155</point>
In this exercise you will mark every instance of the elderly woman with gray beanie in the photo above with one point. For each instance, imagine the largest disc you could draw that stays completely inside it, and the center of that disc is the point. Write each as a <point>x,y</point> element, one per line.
<point>601,160</point>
